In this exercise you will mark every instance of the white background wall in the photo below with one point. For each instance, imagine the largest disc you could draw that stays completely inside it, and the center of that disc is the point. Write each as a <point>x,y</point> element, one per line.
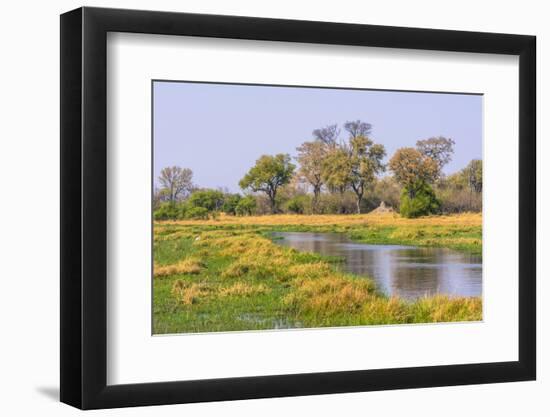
<point>29,219</point>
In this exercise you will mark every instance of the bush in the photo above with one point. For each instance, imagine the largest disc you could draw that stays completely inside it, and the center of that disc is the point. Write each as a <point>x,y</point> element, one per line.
<point>459,200</point>
<point>196,213</point>
<point>246,206</point>
<point>298,204</point>
<point>167,211</point>
<point>337,203</point>
<point>209,199</point>
<point>230,203</point>
<point>423,202</point>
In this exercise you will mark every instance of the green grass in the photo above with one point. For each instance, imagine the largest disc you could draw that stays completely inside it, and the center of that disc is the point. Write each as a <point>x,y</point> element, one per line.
<point>242,280</point>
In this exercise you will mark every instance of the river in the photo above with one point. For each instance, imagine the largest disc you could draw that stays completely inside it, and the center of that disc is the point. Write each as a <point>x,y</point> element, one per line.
<point>405,271</point>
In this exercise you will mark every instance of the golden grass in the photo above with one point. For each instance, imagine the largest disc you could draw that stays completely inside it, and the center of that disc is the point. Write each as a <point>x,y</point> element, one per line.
<point>314,292</point>
<point>385,311</point>
<point>441,308</point>
<point>243,289</point>
<point>159,235</point>
<point>189,293</point>
<point>310,270</point>
<point>186,266</point>
<point>261,266</point>
<point>330,294</point>
<point>381,219</point>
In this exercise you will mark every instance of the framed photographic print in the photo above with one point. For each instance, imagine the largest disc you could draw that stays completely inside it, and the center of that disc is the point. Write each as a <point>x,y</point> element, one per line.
<point>258,207</point>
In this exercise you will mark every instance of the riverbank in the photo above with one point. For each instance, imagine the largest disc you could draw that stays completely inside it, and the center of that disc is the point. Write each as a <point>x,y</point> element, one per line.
<point>461,231</point>
<point>226,274</point>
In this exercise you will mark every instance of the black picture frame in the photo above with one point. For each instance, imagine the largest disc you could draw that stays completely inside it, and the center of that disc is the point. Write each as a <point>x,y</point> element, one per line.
<point>84,207</point>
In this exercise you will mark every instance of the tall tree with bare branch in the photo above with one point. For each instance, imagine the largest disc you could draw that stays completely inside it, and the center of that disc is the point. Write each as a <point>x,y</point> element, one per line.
<point>327,135</point>
<point>310,157</point>
<point>439,148</point>
<point>176,182</point>
<point>357,128</point>
<point>365,163</point>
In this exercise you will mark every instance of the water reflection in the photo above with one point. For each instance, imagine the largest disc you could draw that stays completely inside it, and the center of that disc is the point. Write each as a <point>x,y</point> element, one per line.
<point>407,271</point>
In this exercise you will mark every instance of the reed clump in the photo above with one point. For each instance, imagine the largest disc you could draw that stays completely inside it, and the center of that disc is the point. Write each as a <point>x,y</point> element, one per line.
<point>442,308</point>
<point>186,266</point>
<point>243,289</point>
<point>330,294</point>
<point>190,293</point>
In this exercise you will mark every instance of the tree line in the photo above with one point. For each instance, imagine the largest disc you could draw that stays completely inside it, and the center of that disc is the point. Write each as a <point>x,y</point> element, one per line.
<point>334,172</point>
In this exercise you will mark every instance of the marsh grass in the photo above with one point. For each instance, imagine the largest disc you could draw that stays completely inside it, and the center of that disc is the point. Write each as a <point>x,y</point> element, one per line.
<point>187,266</point>
<point>223,276</point>
<point>243,289</point>
<point>459,231</point>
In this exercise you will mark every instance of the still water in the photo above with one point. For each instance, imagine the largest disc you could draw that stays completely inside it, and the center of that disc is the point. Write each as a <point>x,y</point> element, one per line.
<point>406,271</point>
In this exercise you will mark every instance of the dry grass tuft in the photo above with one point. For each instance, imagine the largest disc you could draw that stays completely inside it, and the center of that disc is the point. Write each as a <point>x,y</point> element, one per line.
<point>187,266</point>
<point>243,289</point>
<point>382,219</point>
<point>330,295</point>
<point>189,293</point>
<point>441,308</point>
<point>311,270</point>
<point>386,311</point>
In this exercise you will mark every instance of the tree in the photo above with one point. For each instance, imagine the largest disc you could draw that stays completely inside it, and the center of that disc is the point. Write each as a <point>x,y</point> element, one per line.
<point>336,170</point>
<point>211,200</point>
<point>474,175</point>
<point>327,135</point>
<point>357,128</point>
<point>310,157</point>
<point>410,166</point>
<point>423,203</point>
<point>176,182</point>
<point>365,162</point>
<point>267,175</point>
<point>440,149</point>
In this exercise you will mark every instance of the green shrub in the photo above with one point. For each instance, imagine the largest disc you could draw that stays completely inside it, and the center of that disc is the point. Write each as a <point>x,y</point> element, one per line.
<point>230,203</point>
<point>196,213</point>
<point>418,200</point>
<point>297,204</point>
<point>167,211</point>
<point>246,206</point>
<point>209,199</point>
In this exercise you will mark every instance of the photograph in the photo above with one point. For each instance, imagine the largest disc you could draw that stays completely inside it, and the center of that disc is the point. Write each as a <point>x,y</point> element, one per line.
<point>284,207</point>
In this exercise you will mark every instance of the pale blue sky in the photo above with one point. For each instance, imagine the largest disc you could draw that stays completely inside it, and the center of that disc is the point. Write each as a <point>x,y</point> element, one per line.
<point>219,130</point>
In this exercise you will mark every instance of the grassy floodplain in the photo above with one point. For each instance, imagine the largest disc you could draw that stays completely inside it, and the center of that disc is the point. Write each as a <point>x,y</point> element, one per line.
<point>227,274</point>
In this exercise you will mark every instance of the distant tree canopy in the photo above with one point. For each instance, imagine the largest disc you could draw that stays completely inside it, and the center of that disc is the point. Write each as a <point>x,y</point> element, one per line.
<point>474,174</point>
<point>267,175</point>
<point>410,166</point>
<point>333,174</point>
<point>176,182</point>
<point>336,169</point>
<point>211,200</point>
<point>439,148</point>
<point>327,135</point>
<point>340,165</point>
<point>310,157</point>
<point>417,170</point>
<point>357,128</point>
<point>365,163</point>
